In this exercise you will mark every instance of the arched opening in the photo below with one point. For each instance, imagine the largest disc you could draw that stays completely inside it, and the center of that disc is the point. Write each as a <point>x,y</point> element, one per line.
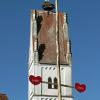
<point>55,85</point>
<point>49,83</point>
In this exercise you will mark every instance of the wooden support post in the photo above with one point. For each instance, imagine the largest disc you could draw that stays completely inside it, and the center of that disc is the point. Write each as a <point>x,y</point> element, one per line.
<point>58,51</point>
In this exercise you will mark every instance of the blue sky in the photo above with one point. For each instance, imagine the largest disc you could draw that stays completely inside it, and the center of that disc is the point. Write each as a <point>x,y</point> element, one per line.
<point>84,29</point>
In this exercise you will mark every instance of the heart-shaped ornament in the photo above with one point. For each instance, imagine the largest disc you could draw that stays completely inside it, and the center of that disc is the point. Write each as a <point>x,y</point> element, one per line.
<point>80,87</point>
<point>35,79</point>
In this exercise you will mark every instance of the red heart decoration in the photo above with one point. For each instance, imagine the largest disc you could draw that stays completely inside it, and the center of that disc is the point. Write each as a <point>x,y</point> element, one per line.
<point>35,80</point>
<point>80,87</point>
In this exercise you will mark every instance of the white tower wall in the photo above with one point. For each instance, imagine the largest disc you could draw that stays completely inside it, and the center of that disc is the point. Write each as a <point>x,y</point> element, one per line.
<point>41,91</point>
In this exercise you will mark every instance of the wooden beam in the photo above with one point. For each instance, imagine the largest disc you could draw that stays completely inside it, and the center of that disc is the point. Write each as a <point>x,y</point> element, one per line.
<point>57,84</point>
<point>58,51</point>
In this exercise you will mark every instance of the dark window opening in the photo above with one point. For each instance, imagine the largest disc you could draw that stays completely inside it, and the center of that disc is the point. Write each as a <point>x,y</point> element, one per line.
<point>41,50</point>
<point>55,85</point>
<point>49,83</point>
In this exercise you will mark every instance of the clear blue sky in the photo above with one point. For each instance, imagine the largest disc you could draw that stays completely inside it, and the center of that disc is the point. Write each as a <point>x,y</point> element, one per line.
<point>84,28</point>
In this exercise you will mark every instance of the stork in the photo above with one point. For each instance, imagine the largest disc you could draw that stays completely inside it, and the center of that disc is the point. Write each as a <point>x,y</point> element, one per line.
<point>48,6</point>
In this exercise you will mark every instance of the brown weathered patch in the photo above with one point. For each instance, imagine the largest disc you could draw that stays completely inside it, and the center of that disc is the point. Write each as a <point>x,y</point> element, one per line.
<point>47,38</point>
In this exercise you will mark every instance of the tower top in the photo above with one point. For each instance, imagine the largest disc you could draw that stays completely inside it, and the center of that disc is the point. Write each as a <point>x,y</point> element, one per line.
<point>48,6</point>
<point>47,37</point>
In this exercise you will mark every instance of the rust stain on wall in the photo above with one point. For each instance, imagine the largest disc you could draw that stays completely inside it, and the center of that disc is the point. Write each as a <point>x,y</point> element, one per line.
<point>47,37</point>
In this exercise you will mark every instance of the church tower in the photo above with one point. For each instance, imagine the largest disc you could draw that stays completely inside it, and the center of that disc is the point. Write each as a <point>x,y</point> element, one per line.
<point>42,57</point>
